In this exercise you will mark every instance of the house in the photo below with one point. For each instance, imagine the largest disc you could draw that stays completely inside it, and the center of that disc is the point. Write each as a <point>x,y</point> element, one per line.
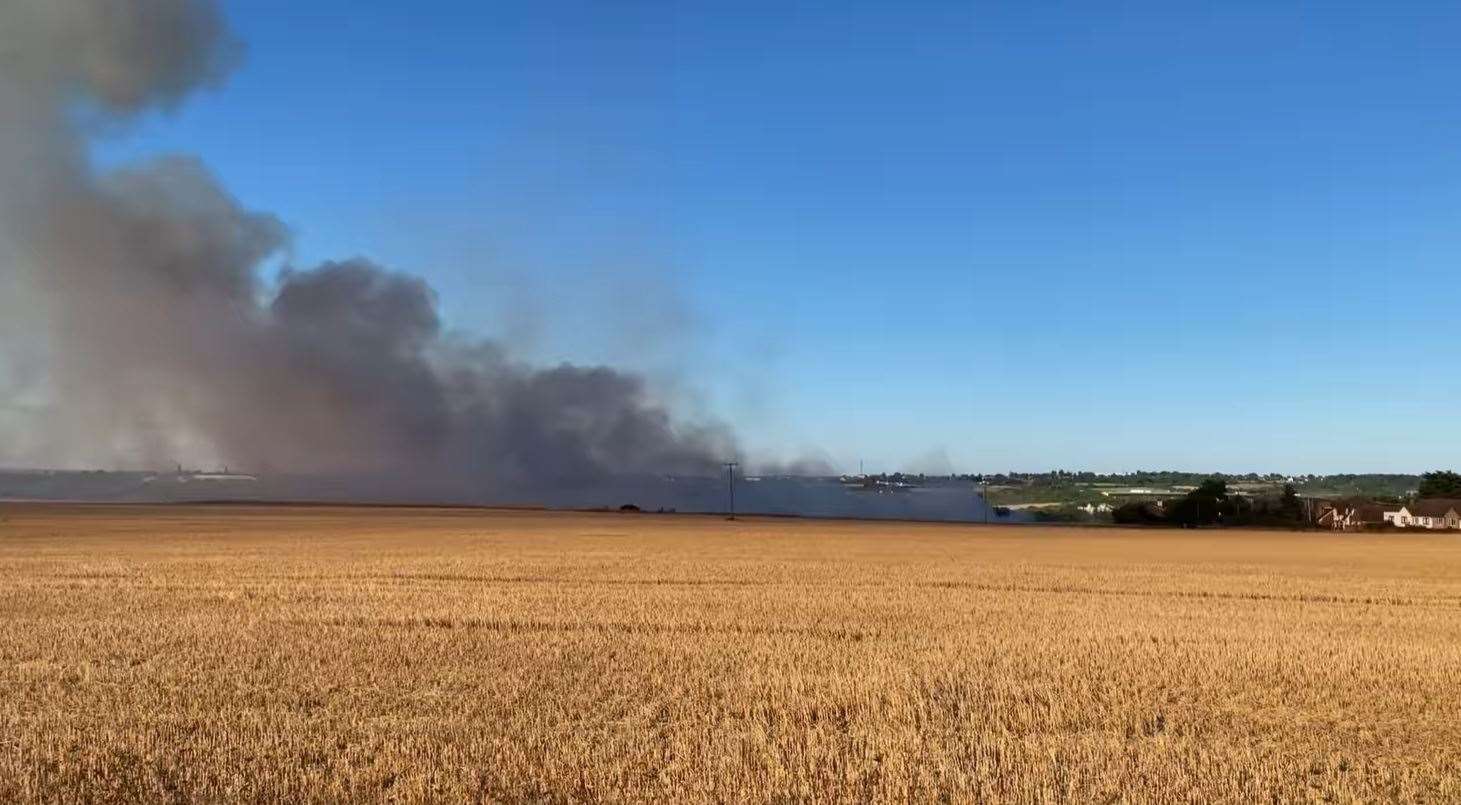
<point>1428,513</point>
<point>1431,513</point>
<point>1400,517</point>
<point>1350,516</point>
<point>1436,513</point>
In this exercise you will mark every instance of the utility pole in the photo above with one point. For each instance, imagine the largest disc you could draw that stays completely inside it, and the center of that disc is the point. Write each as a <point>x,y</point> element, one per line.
<point>730,482</point>
<point>984,497</point>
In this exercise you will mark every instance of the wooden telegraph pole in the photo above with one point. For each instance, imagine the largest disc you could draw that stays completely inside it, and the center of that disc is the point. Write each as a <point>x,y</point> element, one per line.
<point>730,481</point>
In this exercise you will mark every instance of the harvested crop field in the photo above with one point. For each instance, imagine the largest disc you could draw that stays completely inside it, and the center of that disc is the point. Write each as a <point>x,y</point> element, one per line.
<point>320,654</point>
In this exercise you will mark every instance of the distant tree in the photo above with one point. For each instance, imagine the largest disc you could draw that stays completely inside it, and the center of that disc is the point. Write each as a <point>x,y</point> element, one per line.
<point>1212,489</point>
<point>1139,512</point>
<point>1204,505</point>
<point>1061,514</point>
<point>1285,510</point>
<point>1184,512</point>
<point>1440,484</point>
<point>1239,510</point>
<point>1289,505</point>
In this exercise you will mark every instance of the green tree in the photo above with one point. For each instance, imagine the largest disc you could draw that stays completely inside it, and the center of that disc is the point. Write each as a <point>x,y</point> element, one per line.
<point>1138,512</point>
<point>1204,505</point>
<point>1440,484</point>
<point>1289,505</point>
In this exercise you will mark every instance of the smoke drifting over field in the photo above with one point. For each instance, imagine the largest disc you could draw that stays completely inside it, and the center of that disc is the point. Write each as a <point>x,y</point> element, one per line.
<point>150,334</point>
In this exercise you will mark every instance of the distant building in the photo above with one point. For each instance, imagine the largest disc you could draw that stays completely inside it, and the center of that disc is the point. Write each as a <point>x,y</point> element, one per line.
<point>1398,516</point>
<point>1348,516</point>
<point>1436,513</point>
<point>1428,513</point>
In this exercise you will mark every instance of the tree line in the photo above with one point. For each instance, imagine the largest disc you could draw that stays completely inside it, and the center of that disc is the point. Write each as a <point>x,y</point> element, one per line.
<point>1211,504</point>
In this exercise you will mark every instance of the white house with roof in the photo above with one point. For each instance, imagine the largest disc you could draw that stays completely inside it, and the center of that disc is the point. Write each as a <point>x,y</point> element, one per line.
<point>1398,516</point>
<point>1436,513</point>
<point>1428,513</point>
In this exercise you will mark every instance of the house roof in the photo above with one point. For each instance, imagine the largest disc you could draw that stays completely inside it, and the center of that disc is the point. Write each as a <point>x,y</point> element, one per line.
<point>1372,512</point>
<point>1435,507</point>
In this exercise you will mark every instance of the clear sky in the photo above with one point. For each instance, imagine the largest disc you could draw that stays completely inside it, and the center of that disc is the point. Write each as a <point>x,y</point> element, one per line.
<point>1015,235</point>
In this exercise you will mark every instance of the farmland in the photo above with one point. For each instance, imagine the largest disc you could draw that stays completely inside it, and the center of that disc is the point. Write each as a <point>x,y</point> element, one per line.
<point>320,654</point>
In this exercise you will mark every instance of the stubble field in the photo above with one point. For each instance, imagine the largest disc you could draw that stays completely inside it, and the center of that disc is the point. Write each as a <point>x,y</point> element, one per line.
<point>326,654</point>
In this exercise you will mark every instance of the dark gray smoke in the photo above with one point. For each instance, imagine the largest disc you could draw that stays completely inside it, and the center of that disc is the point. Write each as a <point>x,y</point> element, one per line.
<point>138,328</point>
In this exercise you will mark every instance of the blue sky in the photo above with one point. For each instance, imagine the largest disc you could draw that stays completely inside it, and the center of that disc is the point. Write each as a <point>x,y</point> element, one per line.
<point>992,235</point>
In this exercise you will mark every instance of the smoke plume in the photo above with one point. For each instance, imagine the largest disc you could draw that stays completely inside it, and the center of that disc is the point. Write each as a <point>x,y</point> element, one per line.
<point>149,333</point>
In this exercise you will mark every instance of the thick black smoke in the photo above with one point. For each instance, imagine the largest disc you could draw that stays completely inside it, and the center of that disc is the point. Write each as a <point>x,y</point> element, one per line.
<point>148,333</point>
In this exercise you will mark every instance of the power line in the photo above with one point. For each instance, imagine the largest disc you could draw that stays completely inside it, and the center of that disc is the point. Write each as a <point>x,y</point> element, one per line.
<point>730,481</point>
